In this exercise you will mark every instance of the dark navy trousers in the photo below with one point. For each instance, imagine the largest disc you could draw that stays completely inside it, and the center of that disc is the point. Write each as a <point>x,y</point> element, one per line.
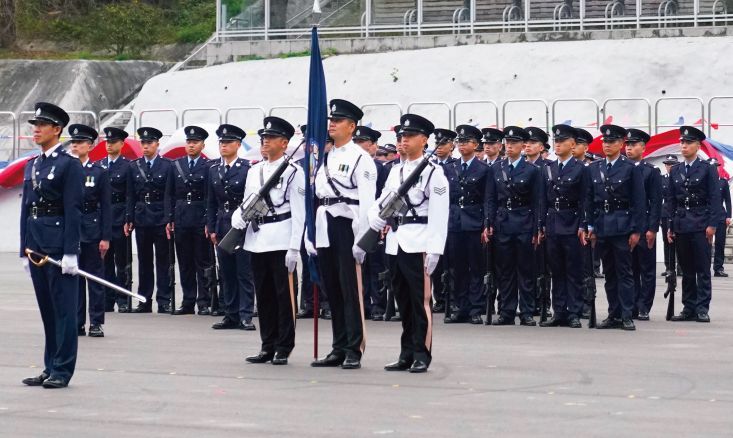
<point>514,254</point>
<point>694,251</point>
<point>148,238</point>
<point>615,253</point>
<point>115,262</point>
<point>644,268</point>
<point>91,261</point>
<point>238,286</point>
<point>194,255</point>
<point>565,257</point>
<point>466,260</point>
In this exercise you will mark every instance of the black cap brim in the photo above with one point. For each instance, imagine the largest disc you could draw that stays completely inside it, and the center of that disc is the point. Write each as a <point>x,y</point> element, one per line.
<point>46,120</point>
<point>274,132</point>
<point>514,138</point>
<point>148,139</point>
<point>690,138</point>
<point>408,130</point>
<point>81,138</point>
<point>564,137</point>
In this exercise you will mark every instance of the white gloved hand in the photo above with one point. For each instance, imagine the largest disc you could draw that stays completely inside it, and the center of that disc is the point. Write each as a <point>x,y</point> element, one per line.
<point>70,264</point>
<point>237,221</point>
<point>309,248</point>
<point>359,254</point>
<point>377,223</point>
<point>431,262</point>
<point>291,259</point>
<point>27,266</point>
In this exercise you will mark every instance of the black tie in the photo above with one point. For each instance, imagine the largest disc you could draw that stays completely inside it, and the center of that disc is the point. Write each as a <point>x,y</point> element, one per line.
<point>687,168</point>
<point>190,164</point>
<point>608,166</point>
<point>511,167</point>
<point>227,167</point>
<point>441,162</point>
<point>561,167</point>
<point>464,166</point>
<point>148,163</point>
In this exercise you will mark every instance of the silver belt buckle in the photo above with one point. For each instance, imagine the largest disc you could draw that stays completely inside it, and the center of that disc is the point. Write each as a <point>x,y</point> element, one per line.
<point>400,220</point>
<point>147,198</point>
<point>509,203</point>
<point>460,202</point>
<point>557,204</point>
<point>606,207</point>
<point>687,203</point>
<point>34,212</point>
<point>226,207</point>
<point>188,197</point>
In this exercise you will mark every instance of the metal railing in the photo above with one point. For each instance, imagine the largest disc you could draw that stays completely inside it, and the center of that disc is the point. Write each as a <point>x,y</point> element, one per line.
<point>14,138</point>
<point>143,112</point>
<point>648,126</point>
<point>133,118</point>
<point>189,110</point>
<point>580,99</point>
<point>373,105</point>
<point>476,102</point>
<point>547,110</point>
<point>667,99</point>
<point>710,114</point>
<point>450,126</point>
<point>244,108</point>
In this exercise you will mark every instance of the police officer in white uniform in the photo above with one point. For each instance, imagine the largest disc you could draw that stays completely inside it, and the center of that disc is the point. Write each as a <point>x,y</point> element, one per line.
<point>275,244</point>
<point>416,245</point>
<point>346,185</point>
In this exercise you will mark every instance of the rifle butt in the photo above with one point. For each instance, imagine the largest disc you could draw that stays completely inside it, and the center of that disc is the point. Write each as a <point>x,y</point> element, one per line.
<point>230,242</point>
<point>369,240</point>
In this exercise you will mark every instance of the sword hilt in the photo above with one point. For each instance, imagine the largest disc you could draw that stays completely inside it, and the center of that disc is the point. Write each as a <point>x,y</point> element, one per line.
<point>29,253</point>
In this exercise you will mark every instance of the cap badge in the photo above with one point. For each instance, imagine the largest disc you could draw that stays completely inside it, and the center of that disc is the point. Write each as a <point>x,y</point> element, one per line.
<point>145,133</point>
<point>407,122</point>
<point>38,112</point>
<point>629,135</point>
<point>333,108</point>
<point>269,125</point>
<point>191,131</point>
<point>463,131</point>
<point>557,132</point>
<point>76,131</point>
<point>358,132</point>
<point>687,131</point>
<point>224,131</point>
<point>511,132</point>
<point>608,132</point>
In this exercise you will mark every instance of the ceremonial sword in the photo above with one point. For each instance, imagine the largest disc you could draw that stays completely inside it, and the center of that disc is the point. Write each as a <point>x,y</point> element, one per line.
<point>45,259</point>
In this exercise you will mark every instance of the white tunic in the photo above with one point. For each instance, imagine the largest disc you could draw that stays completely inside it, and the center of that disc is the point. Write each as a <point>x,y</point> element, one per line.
<point>283,235</point>
<point>349,166</point>
<point>433,188</point>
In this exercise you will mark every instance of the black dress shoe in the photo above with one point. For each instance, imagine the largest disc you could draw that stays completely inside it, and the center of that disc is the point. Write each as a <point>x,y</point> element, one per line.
<point>598,274</point>
<point>503,320</point>
<point>351,363</point>
<point>226,324</point>
<point>247,325</point>
<point>555,321</point>
<point>80,330</point>
<point>586,314</point>
<point>54,382</point>
<point>123,309</point>
<point>164,308</point>
<point>304,314</point>
<point>183,310</point>
<point>458,318</point>
<point>610,323</point>
<point>665,273</point>
<point>720,273</point>
<point>95,331</point>
<point>329,361</point>
<point>418,367</point>
<point>204,310</point>
<point>142,308</point>
<point>703,317</point>
<point>685,316</point>
<point>396,318</point>
<point>37,380</point>
<point>400,365</point>
<point>218,312</point>
<point>628,324</point>
<point>326,315</point>
<point>527,321</point>
<point>643,316</point>
<point>476,319</point>
<point>378,317</point>
<point>280,359</point>
<point>438,307</point>
<point>260,357</point>
<point>574,322</point>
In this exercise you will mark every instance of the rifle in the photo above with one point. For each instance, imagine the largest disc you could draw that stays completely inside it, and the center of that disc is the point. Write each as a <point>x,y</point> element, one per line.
<point>393,205</point>
<point>489,283</point>
<point>256,206</point>
<point>671,280</point>
<point>590,288</point>
<point>172,270</point>
<point>128,268</point>
<point>212,280</point>
<point>386,282</point>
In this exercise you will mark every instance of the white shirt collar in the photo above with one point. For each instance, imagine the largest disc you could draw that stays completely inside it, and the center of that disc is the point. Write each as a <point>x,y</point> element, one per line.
<point>51,150</point>
<point>515,163</point>
<point>84,164</point>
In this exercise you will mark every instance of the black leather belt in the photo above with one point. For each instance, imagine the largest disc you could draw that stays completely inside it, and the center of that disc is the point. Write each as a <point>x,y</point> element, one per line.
<point>694,202</point>
<point>326,202</point>
<point>274,218</point>
<point>615,206</point>
<point>118,197</point>
<point>517,203</point>
<point>46,211</point>
<point>564,205</point>
<point>462,202</point>
<point>150,197</point>
<point>194,196</point>
<point>91,207</point>
<point>231,205</point>
<point>402,220</point>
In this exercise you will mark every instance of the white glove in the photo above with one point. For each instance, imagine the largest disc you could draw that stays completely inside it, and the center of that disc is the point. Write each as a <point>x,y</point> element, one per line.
<point>377,223</point>
<point>309,248</point>
<point>27,266</point>
<point>237,221</point>
<point>431,262</point>
<point>70,264</point>
<point>291,259</point>
<point>359,254</point>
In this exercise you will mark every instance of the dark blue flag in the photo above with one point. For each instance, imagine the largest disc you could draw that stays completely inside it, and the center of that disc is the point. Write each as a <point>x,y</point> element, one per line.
<point>315,144</point>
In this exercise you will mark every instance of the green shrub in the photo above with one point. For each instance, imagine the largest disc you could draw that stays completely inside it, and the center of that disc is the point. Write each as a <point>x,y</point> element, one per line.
<point>197,33</point>
<point>124,28</point>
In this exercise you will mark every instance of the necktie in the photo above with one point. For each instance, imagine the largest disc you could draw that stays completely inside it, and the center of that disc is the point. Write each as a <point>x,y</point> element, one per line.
<point>511,167</point>
<point>441,162</point>
<point>148,163</point>
<point>227,167</point>
<point>464,166</point>
<point>190,164</point>
<point>43,157</point>
<point>608,166</point>
<point>687,168</point>
<point>561,167</point>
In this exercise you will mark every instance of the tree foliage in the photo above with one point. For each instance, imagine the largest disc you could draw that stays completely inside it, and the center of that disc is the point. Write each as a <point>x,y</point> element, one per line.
<point>125,28</point>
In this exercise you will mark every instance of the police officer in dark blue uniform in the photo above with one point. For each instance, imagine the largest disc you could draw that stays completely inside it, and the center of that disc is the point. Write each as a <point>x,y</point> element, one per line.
<point>669,161</point>
<point>186,213</point>
<point>50,223</point>
<point>147,177</point>
<point>375,300</point>
<point>492,142</point>
<point>390,151</point>
<point>444,145</point>
<point>694,211</point>
<point>616,215</point>
<point>227,180</point>
<point>96,230</point>
<point>723,224</point>
<point>515,196</point>
<point>115,260</point>
<point>567,187</point>
<point>467,178</point>
<point>644,256</point>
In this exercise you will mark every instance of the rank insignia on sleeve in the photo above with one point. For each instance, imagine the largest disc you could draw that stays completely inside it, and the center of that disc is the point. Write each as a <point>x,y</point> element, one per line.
<point>439,190</point>
<point>301,191</point>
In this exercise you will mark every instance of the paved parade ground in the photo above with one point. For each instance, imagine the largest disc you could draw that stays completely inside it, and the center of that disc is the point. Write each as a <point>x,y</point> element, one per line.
<point>164,376</point>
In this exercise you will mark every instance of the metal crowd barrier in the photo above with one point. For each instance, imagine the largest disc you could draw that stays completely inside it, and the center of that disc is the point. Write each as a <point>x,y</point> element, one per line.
<point>175,113</point>
<point>597,117</point>
<point>373,105</point>
<point>547,111</point>
<point>14,139</point>
<point>409,107</point>
<point>476,102</point>
<point>663,99</point>
<point>188,110</point>
<point>648,126</point>
<point>120,111</point>
<point>710,114</point>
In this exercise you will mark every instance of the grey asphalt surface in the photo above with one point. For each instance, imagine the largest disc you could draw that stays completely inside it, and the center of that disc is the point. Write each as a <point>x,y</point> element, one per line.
<point>165,376</point>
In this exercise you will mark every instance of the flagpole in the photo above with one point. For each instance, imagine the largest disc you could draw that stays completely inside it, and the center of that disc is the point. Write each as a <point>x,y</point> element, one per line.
<point>316,16</point>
